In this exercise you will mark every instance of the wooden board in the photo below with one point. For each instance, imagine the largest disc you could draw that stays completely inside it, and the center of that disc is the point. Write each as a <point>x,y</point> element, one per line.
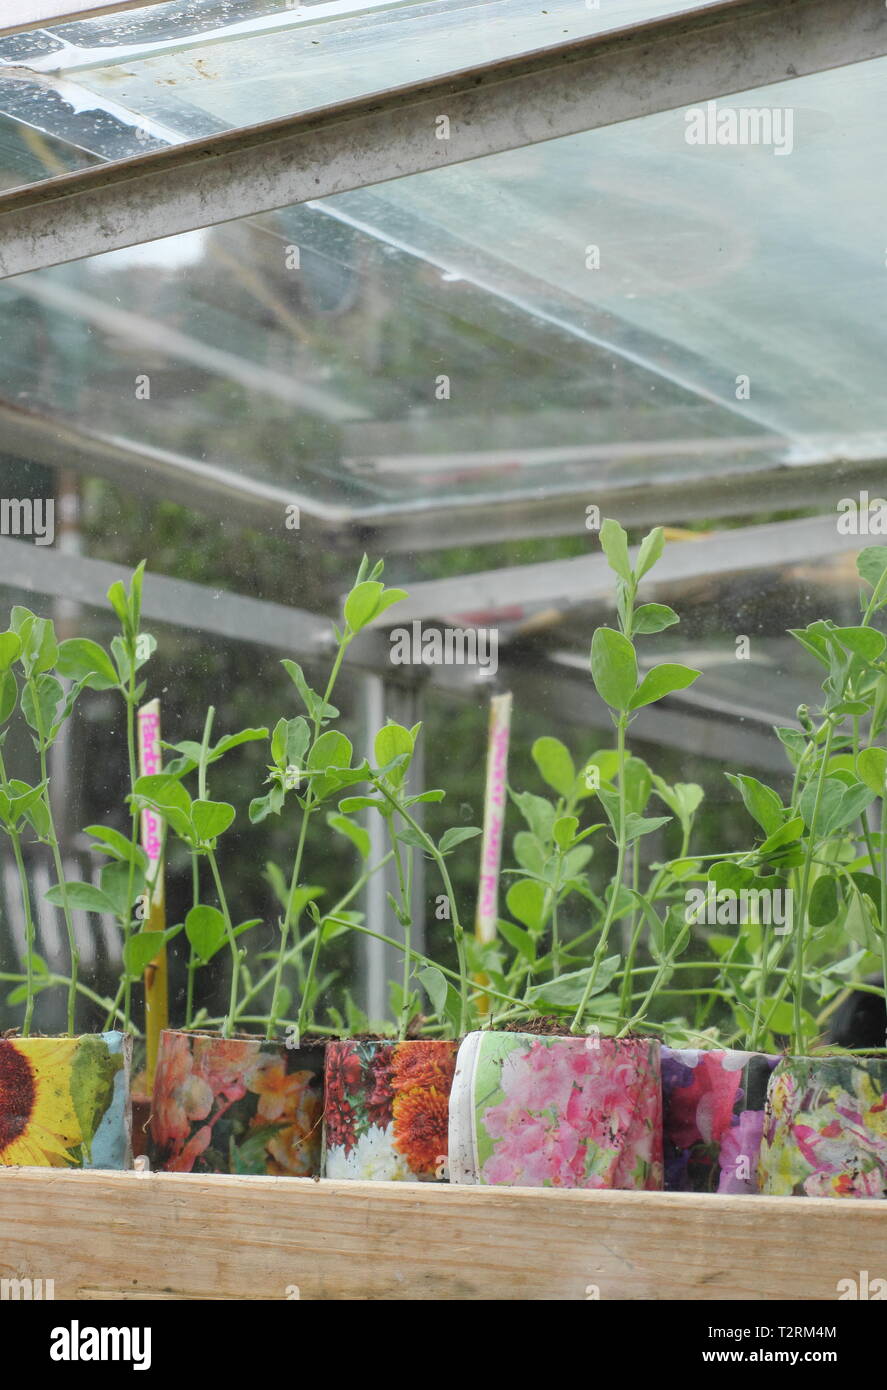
<point>172,1236</point>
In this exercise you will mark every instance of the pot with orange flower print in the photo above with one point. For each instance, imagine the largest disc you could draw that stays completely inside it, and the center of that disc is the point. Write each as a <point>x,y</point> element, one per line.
<point>386,1109</point>
<point>236,1105</point>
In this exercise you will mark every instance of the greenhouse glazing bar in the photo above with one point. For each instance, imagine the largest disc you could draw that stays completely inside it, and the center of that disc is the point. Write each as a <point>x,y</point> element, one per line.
<point>45,570</point>
<point>557,91</point>
<point>20,15</point>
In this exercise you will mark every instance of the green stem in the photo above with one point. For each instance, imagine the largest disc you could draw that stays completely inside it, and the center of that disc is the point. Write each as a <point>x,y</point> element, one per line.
<point>297,866</point>
<point>73,951</point>
<point>192,956</point>
<point>232,944</point>
<point>601,947</point>
<point>29,928</point>
<point>800,932</point>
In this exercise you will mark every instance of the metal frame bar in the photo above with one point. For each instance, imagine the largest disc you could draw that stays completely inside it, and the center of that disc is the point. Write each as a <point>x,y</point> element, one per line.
<point>237,499</point>
<point>45,570</point>
<point>562,90</point>
<point>589,579</point>
<point>21,15</point>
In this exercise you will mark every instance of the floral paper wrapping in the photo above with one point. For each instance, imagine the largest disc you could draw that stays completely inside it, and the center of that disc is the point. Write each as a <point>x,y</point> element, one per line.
<point>239,1105</point>
<point>825,1132</point>
<point>713,1119</point>
<point>536,1111</point>
<point>385,1109</point>
<point>64,1102</point>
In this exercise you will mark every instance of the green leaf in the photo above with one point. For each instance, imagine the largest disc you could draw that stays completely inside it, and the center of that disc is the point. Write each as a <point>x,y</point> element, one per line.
<point>614,667</point>
<point>614,543</point>
<point>538,814</point>
<point>565,828</point>
<point>650,551</point>
<point>8,695</point>
<point>824,901</point>
<point>871,765</point>
<point>859,922</point>
<point>164,791</point>
<point>39,646</point>
<point>653,617</point>
<point>310,699</point>
<point>82,896</point>
<point>40,700</point>
<point>211,818</point>
<point>526,901</point>
<point>119,602</point>
<point>786,835</point>
<point>355,833</point>
<point>368,601</point>
<point>141,949</point>
<point>839,805</point>
<point>566,991</point>
<point>10,647</point>
<point>661,681</point>
<point>529,852</point>
<point>871,563</point>
<point>636,826</point>
<point>206,931</point>
<point>866,642</point>
<point>555,765</point>
<point>761,802</point>
<point>520,940</point>
<point>444,998</point>
<point>331,749</point>
<point>392,742</point>
<point>81,659</point>
<point>455,835</point>
<point>111,842</point>
<point>115,885</point>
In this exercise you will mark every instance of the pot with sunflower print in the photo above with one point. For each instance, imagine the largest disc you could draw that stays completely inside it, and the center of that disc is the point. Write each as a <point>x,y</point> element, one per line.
<point>538,1110</point>
<point>236,1105</point>
<point>825,1128</point>
<point>386,1109</point>
<point>64,1102</point>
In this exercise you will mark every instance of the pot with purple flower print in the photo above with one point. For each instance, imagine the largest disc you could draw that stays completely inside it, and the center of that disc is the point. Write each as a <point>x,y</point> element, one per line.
<point>713,1118</point>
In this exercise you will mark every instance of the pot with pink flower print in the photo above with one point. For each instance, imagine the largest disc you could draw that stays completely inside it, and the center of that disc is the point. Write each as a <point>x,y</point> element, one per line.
<point>825,1127</point>
<point>713,1118</point>
<point>531,1110</point>
<point>236,1105</point>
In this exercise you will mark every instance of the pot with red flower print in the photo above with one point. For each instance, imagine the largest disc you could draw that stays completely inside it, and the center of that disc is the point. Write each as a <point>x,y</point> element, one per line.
<point>713,1118</point>
<point>532,1110</point>
<point>236,1105</point>
<point>386,1108</point>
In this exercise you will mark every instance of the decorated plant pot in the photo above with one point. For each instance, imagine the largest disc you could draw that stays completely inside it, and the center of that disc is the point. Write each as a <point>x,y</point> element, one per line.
<point>825,1128</point>
<point>64,1102</point>
<point>236,1105</point>
<point>385,1109</point>
<point>713,1119</point>
<point>539,1111</point>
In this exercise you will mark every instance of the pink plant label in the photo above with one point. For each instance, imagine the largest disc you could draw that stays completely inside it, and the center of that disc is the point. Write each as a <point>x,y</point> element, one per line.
<point>494,816</point>
<point>150,763</point>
